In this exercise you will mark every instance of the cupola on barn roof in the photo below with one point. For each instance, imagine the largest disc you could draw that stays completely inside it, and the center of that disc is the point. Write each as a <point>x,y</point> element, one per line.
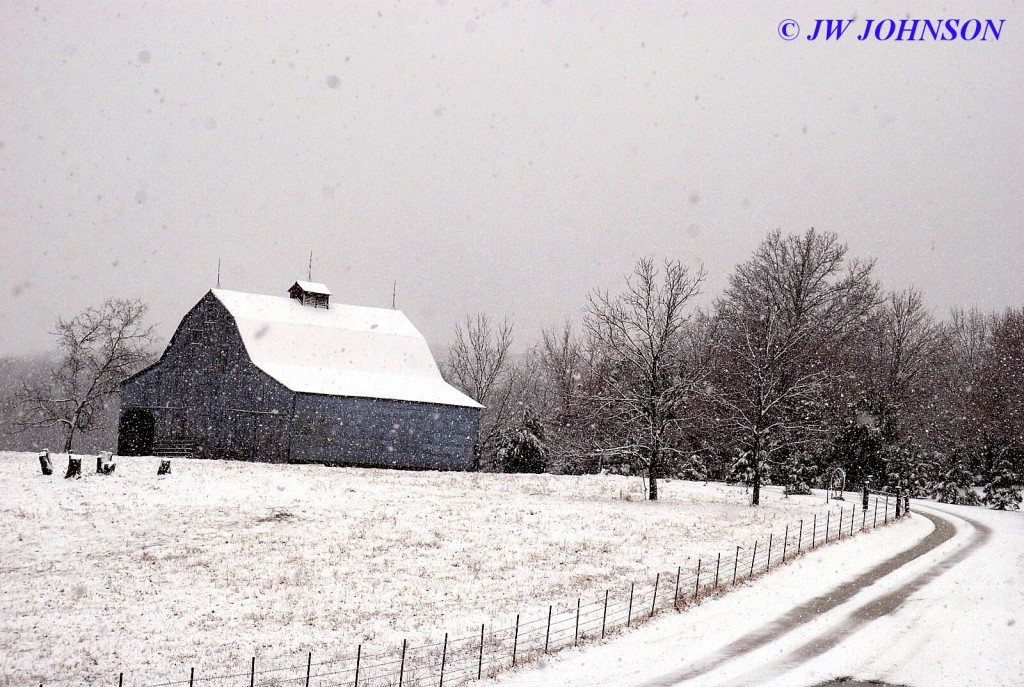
<point>310,293</point>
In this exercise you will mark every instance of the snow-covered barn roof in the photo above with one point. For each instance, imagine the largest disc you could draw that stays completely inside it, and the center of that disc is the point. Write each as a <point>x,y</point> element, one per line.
<point>346,350</point>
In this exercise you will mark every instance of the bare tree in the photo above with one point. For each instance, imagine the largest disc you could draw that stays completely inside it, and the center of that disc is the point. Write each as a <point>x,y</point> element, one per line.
<point>480,364</point>
<point>638,335</point>
<point>907,341</point>
<point>786,311</point>
<point>98,349</point>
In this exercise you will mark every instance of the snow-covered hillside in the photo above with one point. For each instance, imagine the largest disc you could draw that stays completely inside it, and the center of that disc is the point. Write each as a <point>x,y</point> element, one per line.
<point>222,561</point>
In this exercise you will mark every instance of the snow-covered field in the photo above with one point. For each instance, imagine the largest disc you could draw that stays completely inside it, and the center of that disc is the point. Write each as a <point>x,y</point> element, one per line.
<point>222,561</point>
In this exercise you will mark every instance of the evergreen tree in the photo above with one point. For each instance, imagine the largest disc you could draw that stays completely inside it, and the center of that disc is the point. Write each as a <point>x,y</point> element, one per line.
<point>521,448</point>
<point>692,467</point>
<point>956,484</point>
<point>1003,489</point>
<point>742,471</point>
<point>797,472</point>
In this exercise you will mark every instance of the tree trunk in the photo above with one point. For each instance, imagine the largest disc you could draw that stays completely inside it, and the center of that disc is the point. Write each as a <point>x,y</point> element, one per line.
<point>45,463</point>
<point>755,499</point>
<point>74,468</point>
<point>652,480</point>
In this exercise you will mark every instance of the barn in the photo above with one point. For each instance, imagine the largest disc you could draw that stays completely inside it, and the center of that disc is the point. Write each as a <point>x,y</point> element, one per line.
<point>298,379</point>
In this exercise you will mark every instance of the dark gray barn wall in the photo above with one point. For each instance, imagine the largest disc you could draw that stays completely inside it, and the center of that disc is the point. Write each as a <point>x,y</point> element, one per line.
<point>383,433</point>
<point>205,388</point>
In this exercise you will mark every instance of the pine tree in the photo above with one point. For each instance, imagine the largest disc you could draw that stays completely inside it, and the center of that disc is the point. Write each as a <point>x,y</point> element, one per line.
<point>742,471</point>
<point>522,448</point>
<point>692,467</point>
<point>1003,489</point>
<point>956,484</point>
<point>797,472</point>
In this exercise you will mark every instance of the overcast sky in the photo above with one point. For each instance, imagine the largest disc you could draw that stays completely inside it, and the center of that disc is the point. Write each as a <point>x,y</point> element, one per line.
<point>497,157</point>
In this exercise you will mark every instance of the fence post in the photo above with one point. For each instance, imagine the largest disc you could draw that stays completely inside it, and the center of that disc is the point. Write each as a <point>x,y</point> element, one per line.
<point>885,518</point>
<point>120,679</point>
<point>753,557</point>
<point>675,597</point>
<point>785,543</point>
<point>604,617</point>
<point>654,601</point>
<point>814,531</point>
<point>252,673</point>
<point>444,657</point>
<point>800,538</point>
<point>480,662</point>
<point>192,676</point>
<point>359,657</point>
<point>864,518</point>
<point>828,524</point>
<point>629,613</point>
<point>401,669</point>
<point>874,521</point>
<point>576,633</point>
<point>547,635</point>
<point>515,643</point>
<point>309,668</point>
<point>696,587</point>
<point>735,565</point>
<point>768,565</point>
<point>718,567</point>
<point>853,516</point>
<point>839,530</point>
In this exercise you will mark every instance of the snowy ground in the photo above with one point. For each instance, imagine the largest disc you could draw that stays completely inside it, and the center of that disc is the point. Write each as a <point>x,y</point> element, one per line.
<point>222,561</point>
<point>952,616</point>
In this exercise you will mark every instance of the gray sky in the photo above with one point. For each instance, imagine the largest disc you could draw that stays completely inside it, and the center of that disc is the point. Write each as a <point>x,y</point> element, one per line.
<point>503,157</point>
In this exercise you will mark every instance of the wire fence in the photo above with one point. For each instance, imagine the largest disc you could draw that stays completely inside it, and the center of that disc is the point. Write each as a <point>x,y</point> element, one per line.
<point>457,660</point>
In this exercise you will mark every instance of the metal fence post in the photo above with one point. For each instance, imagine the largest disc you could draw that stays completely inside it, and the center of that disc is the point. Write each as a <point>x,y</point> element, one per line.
<point>252,673</point>
<point>120,679</point>
<point>192,676</point>
<point>444,658</point>
<point>814,531</point>
<point>753,557</point>
<point>547,635</point>
<point>654,599</point>
<point>401,669</point>
<point>696,587</point>
<point>853,516</point>
<point>768,564</point>
<point>828,524</point>
<point>629,613</point>
<point>576,634</point>
<point>604,617</point>
<point>718,567</point>
<point>480,661</point>
<point>800,538</point>
<point>675,599</point>
<point>515,643</point>
<point>785,543</point>
<point>735,565</point>
<point>839,530</point>
<point>309,668</point>
<point>359,658</point>
<point>885,518</point>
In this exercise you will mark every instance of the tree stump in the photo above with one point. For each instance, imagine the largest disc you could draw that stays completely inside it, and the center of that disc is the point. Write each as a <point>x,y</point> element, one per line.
<point>165,468</point>
<point>74,468</point>
<point>45,463</point>
<point>105,464</point>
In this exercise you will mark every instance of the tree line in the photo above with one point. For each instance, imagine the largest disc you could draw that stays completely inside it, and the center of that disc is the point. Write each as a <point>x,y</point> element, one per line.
<point>805,363</point>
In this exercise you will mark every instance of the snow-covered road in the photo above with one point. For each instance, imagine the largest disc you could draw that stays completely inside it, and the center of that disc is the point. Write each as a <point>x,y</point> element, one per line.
<point>936,600</point>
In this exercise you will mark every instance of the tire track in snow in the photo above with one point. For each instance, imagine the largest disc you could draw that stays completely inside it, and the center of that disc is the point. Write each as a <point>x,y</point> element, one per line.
<point>810,610</point>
